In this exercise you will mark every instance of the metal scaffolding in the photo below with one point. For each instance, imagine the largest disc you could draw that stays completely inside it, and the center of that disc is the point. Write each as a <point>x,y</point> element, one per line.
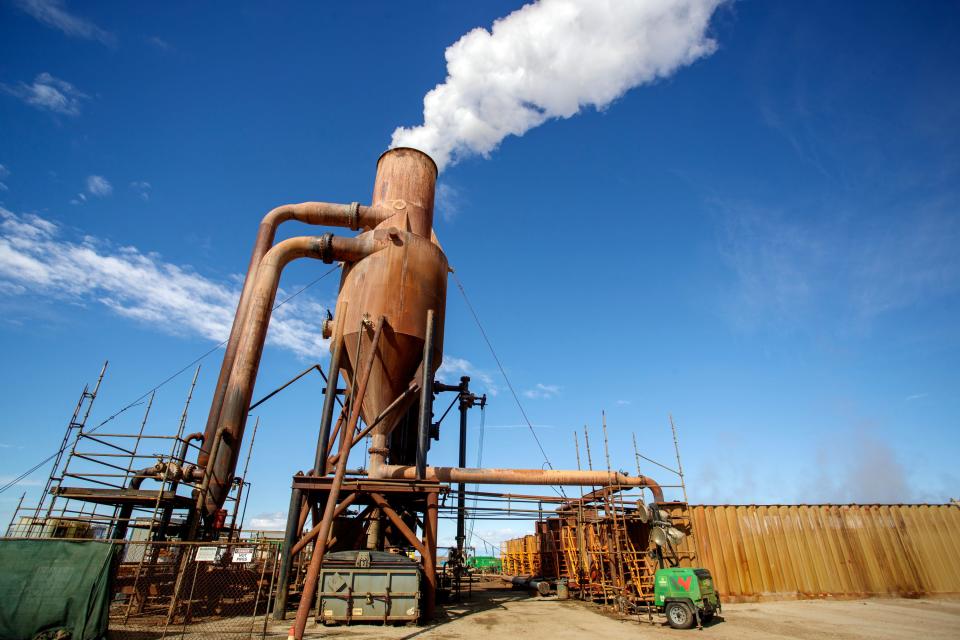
<point>94,487</point>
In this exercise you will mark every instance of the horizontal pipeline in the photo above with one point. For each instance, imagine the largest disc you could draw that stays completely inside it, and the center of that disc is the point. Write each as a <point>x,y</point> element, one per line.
<point>522,476</point>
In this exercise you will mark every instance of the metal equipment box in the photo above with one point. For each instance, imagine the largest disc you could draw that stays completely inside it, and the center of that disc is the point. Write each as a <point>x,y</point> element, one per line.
<point>368,586</point>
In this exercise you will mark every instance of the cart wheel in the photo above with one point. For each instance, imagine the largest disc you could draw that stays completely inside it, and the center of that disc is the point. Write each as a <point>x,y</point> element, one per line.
<point>679,615</point>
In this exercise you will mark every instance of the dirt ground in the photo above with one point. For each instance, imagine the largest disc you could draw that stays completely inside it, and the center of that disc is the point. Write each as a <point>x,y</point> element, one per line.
<point>505,613</point>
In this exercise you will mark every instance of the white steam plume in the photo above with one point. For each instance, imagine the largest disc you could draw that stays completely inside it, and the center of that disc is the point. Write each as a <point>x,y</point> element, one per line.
<point>548,60</point>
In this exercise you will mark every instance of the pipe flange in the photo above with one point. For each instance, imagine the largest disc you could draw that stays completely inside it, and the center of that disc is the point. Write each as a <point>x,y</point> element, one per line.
<point>325,248</point>
<point>379,450</point>
<point>353,211</point>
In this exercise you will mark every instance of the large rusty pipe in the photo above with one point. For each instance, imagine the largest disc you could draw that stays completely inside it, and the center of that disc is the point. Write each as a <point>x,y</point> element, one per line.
<point>521,476</point>
<point>535,584</point>
<point>243,375</point>
<point>351,216</point>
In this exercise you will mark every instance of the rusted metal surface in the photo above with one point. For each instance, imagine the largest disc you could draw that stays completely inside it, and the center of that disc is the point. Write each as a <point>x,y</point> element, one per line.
<point>430,560</point>
<point>402,283</point>
<point>351,216</point>
<point>346,443</point>
<point>523,477</point>
<point>366,494</point>
<point>521,556</point>
<point>599,546</point>
<point>243,375</point>
<point>759,552</point>
<point>399,523</point>
<point>777,552</point>
<point>410,176</point>
<point>540,586</point>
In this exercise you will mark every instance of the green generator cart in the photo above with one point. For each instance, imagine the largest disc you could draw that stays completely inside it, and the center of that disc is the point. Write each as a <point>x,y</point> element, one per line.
<point>686,596</point>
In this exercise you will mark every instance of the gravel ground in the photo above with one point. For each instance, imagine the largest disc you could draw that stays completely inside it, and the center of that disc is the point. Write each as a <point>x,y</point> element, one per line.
<point>504,613</point>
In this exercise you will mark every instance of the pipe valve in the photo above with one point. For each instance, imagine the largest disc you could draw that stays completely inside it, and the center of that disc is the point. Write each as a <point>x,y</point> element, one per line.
<point>326,327</point>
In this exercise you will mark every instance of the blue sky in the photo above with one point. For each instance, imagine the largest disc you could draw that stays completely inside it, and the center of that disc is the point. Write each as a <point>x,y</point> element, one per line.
<point>763,243</point>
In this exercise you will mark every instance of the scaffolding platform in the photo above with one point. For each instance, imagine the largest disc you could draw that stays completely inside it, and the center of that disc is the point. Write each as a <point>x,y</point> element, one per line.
<point>136,497</point>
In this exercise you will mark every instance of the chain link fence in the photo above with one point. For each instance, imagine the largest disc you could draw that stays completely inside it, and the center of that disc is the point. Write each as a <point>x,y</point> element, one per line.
<point>193,590</point>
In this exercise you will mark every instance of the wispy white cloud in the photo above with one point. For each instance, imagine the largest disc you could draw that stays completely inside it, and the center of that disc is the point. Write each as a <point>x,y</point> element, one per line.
<point>453,367</point>
<point>22,483</point>
<point>96,186</point>
<point>447,201</point>
<point>49,93</point>
<point>160,43</point>
<point>788,268</point>
<point>35,257</point>
<point>917,396</point>
<point>624,403</point>
<point>141,188</point>
<point>4,174</point>
<point>54,14</point>
<point>99,186</point>
<point>542,391</point>
<point>273,521</point>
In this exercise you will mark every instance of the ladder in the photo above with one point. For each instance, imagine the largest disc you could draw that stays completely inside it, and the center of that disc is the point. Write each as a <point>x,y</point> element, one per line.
<point>74,430</point>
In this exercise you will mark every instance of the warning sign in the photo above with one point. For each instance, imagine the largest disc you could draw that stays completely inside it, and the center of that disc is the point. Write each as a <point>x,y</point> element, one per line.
<point>243,555</point>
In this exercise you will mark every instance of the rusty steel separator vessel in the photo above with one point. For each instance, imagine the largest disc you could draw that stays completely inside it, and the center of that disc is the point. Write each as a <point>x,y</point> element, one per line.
<point>386,344</point>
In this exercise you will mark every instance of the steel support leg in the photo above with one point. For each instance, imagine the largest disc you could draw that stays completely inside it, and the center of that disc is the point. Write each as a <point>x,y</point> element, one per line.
<point>346,442</point>
<point>461,487</point>
<point>326,417</point>
<point>426,399</point>
<point>430,557</point>
<point>286,558</point>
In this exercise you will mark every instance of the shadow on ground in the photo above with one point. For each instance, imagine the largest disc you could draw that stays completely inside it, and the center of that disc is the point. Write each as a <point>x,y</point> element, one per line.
<point>480,600</point>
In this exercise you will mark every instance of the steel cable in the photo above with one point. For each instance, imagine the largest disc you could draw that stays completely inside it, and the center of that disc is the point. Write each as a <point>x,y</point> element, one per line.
<point>136,402</point>
<point>503,372</point>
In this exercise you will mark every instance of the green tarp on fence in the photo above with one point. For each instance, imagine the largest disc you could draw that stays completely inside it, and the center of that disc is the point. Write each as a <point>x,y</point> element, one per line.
<point>49,585</point>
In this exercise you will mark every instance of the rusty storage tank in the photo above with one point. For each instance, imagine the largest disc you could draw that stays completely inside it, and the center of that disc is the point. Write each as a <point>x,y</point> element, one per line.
<point>401,283</point>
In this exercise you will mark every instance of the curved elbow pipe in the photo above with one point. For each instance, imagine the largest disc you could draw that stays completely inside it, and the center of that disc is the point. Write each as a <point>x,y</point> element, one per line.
<point>243,373</point>
<point>122,522</point>
<point>185,445</point>
<point>522,476</point>
<point>351,216</point>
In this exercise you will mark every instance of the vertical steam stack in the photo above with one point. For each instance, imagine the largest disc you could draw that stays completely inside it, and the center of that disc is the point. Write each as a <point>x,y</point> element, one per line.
<point>401,283</point>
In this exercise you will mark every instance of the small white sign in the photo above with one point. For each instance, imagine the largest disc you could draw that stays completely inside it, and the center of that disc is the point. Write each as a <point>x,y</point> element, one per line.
<point>207,554</point>
<point>243,555</point>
